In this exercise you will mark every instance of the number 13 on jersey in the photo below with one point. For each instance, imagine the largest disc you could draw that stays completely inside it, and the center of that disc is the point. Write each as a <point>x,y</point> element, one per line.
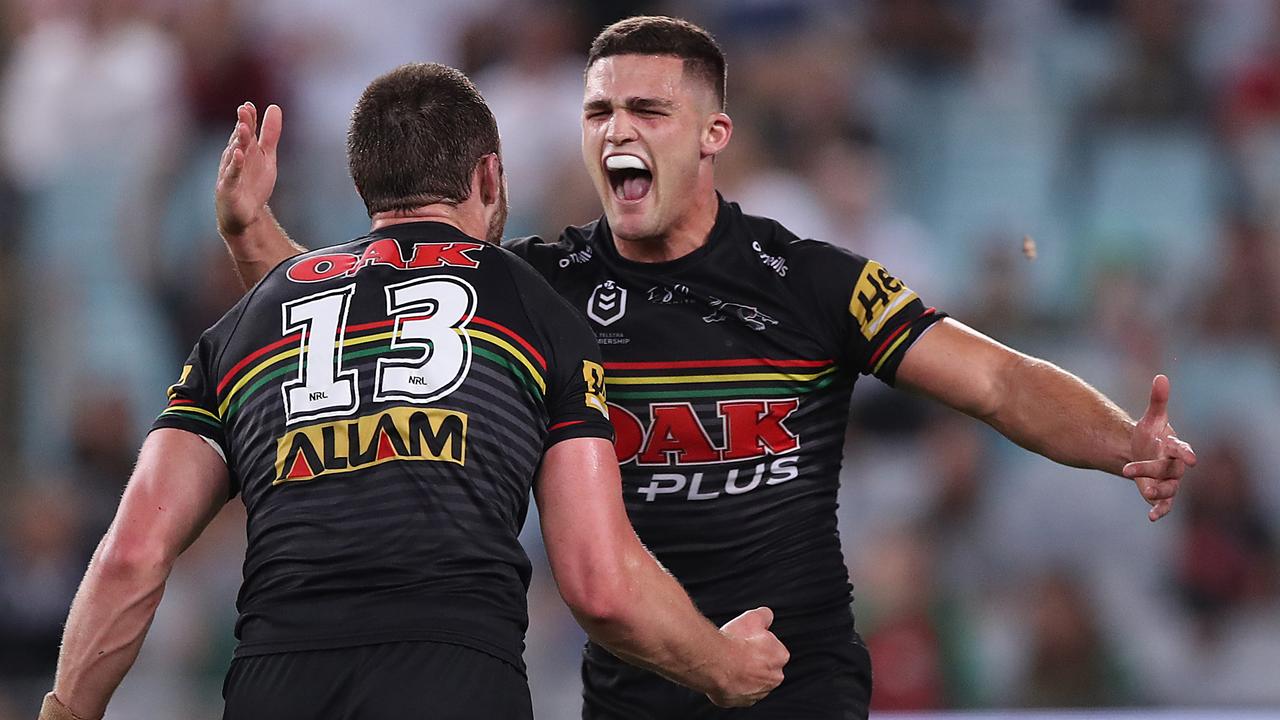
<point>429,315</point>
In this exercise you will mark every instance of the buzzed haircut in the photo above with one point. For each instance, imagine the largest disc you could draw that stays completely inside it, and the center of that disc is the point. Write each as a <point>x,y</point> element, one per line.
<point>416,135</point>
<point>661,35</point>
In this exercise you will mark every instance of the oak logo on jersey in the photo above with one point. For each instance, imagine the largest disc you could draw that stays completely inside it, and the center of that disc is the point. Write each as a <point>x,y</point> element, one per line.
<point>676,436</point>
<point>877,297</point>
<point>316,268</point>
<point>608,303</point>
<point>746,314</point>
<point>402,433</point>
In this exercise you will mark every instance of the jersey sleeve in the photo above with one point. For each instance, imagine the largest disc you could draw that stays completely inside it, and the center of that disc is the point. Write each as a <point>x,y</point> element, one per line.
<point>575,396</point>
<point>193,401</point>
<point>887,317</point>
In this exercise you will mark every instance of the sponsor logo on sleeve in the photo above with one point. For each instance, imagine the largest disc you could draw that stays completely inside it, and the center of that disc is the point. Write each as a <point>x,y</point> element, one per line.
<point>877,297</point>
<point>593,373</point>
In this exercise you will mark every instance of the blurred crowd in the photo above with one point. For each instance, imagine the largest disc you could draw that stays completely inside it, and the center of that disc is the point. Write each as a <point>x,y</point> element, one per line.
<point>1136,142</point>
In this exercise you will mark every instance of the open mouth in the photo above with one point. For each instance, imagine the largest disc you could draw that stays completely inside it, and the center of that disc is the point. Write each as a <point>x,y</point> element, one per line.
<point>630,178</point>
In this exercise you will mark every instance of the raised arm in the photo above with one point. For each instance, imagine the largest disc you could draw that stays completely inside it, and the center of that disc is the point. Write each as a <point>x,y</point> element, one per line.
<point>1049,411</point>
<point>180,483</point>
<point>246,178</point>
<point>626,601</point>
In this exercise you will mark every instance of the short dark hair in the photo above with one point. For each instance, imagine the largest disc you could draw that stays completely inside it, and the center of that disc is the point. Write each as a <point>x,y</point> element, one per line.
<point>416,135</point>
<point>661,35</point>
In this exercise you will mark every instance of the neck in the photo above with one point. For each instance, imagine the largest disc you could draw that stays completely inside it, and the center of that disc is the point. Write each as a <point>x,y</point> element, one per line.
<point>459,216</point>
<point>689,233</point>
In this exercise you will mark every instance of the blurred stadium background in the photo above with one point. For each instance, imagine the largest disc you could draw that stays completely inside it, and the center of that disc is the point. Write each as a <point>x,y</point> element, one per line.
<point>1138,142</point>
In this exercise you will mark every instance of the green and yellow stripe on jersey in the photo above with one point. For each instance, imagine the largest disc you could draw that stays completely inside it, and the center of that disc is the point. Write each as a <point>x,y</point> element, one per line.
<point>279,360</point>
<point>717,379</point>
<point>188,409</point>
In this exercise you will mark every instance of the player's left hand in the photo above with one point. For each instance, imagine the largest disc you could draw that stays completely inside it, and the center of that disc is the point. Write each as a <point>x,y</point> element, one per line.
<point>1160,459</point>
<point>247,170</point>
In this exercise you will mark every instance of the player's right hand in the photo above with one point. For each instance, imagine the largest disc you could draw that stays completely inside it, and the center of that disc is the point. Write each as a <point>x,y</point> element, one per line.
<point>756,660</point>
<point>247,171</point>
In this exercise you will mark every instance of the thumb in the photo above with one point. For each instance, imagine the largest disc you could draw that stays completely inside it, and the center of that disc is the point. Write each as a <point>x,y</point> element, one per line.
<point>269,137</point>
<point>1158,407</point>
<point>764,616</point>
<point>751,622</point>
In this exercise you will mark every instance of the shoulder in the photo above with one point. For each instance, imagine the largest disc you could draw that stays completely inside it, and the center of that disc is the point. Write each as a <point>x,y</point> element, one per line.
<point>574,246</point>
<point>794,258</point>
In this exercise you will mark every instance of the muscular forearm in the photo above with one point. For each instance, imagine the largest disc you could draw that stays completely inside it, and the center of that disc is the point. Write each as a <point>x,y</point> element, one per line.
<point>1049,411</point>
<point>657,627</point>
<point>260,247</point>
<point>109,618</point>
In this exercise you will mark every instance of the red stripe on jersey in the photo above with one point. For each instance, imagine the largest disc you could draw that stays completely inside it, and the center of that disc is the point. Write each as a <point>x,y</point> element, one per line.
<point>226,379</point>
<point>876,356</point>
<point>255,355</point>
<point>564,424</point>
<point>523,343</point>
<point>713,364</point>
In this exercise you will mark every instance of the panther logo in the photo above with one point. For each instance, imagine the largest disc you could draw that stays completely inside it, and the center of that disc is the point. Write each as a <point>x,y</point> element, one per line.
<point>749,316</point>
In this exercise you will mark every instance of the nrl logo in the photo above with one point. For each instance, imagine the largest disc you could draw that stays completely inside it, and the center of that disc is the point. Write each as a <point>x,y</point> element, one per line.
<point>745,314</point>
<point>608,303</point>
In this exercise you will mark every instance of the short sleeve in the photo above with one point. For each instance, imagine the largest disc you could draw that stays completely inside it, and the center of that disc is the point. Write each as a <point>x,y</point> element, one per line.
<point>576,402</point>
<point>193,402</point>
<point>887,317</point>
<point>575,398</point>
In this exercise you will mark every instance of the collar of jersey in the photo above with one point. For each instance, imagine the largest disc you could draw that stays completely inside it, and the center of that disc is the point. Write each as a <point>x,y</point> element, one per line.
<point>603,240</point>
<point>424,230</point>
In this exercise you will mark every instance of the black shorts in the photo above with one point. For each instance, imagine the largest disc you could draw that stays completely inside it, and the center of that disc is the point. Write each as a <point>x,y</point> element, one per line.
<point>390,680</point>
<point>826,679</point>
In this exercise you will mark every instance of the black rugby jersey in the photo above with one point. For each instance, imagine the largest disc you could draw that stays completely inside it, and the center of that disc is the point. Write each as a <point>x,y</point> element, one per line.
<point>383,407</point>
<point>729,375</point>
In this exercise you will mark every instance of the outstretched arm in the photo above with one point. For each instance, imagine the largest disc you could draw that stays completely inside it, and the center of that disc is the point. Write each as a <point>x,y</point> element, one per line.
<point>1049,411</point>
<point>625,600</point>
<point>180,483</point>
<point>246,178</point>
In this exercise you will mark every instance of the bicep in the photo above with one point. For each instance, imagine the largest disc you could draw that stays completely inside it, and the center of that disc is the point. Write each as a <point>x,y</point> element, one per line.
<point>960,367</point>
<point>579,495</point>
<point>178,486</point>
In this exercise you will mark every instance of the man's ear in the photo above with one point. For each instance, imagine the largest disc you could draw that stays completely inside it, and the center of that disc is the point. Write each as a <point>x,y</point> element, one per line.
<point>489,172</point>
<point>716,134</point>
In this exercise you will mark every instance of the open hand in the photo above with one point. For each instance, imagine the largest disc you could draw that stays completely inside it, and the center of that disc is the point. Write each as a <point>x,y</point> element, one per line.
<point>1160,459</point>
<point>247,170</point>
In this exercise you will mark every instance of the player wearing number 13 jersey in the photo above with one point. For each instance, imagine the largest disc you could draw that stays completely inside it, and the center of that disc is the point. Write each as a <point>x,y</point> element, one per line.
<point>383,406</point>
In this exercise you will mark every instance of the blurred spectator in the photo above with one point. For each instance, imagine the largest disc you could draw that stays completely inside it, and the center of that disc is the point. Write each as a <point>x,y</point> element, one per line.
<point>1252,96</point>
<point>1070,663</point>
<point>917,636</point>
<point>1226,556</point>
<point>1155,82</point>
<point>41,563</point>
<point>226,65</point>
<point>926,36</point>
<point>1242,300</point>
<point>848,176</point>
<point>104,447</point>
<point>85,84</point>
<point>535,92</point>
